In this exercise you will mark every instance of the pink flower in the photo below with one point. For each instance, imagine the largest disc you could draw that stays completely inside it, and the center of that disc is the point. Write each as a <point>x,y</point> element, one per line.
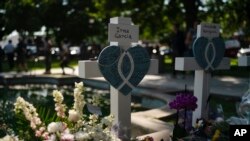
<point>42,129</point>
<point>67,137</point>
<point>38,133</point>
<point>45,135</point>
<point>37,120</point>
<point>32,125</point>
<point>51,138</point>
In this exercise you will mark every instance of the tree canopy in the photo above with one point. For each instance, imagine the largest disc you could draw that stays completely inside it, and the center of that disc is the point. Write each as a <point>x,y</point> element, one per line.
<point>87,19</point>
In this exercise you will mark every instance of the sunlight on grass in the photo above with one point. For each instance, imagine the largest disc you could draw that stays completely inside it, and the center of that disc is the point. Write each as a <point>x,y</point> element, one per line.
<point>233,62</point>
<point>39,64</point>
<point>167,60</point>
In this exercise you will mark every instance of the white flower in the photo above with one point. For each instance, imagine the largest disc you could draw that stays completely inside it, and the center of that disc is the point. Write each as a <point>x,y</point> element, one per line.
<point>96,100</point>
<point>59,107</point>
<point>93,119</point>
<point>51,138</point>
<point>58,97</point>
<point>81,136</point>
<point>79,86</point>
<point>29,112</point>
<point>55,127</point>
<point>9,138</point>
<point>19,104</point>
<point>108,120</point>
<point>78,129</point>
<point>74,116</point>
<point>78,98</point>
<point>67,137</point>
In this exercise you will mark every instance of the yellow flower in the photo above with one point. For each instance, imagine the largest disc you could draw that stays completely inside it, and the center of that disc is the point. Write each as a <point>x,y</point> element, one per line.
<point>216,135</point>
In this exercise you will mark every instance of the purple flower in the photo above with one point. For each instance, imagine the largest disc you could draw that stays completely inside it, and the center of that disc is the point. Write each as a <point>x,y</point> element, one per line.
<point>184,101</point>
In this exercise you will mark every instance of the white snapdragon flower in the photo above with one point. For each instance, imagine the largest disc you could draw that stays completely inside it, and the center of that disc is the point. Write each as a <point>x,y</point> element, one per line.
<point>81,136</point>
<point>19,104</point>
<point>55,127</point>
<point>58,97</point>
<point>9,138</point>
<point>78,98</point>
<point>108,120</point>
<point>93,119</point>
<point>78,87</point>
<point>74,116</point>
<point>96,100</point>
<point>29,112</point>
<point>59,107</point>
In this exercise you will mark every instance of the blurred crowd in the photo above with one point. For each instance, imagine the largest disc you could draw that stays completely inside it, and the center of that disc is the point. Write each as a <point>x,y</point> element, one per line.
<point>178,44</point>
<point>44,49</point>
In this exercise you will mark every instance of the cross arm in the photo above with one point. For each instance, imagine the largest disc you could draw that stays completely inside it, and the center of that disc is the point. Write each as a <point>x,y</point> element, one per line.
<point>189,63</point>
<point>89,69</point>
<point>244,61</point>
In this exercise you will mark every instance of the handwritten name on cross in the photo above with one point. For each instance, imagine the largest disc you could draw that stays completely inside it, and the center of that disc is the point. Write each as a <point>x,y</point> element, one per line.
<point>122,34</point>
<point>202,76</point>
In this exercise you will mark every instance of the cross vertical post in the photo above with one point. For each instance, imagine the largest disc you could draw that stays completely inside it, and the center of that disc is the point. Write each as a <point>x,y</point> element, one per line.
<point>121,33</point>
<point>244,61</point>
<point>202,76</point>
<point>120,104</point>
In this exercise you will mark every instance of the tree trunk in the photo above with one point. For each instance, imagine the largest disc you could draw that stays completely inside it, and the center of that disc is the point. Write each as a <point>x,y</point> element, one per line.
<point>191,11</point>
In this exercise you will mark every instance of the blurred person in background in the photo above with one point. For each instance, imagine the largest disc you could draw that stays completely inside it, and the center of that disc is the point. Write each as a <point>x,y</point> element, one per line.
<point>21,51</point>
<point>65,56</point>
<point>47,54</point>
<point>9,50</point>
<point>1,58</point>
<point>83,51</point>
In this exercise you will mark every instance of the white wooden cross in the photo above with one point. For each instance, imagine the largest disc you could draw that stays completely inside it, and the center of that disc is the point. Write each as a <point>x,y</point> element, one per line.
<point>244,61</point>
<point>202,77</point>
<point>120,104</point>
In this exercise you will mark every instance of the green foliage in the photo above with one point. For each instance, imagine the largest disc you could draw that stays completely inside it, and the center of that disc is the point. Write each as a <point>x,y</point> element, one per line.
<point>87,19</point>
<point>22,125</point>
<point>223,127</point>
<point>22,128</point>
<point>22,16</point>
<point>228,109</point>
<point>47,115</point>
<point>178,132</point>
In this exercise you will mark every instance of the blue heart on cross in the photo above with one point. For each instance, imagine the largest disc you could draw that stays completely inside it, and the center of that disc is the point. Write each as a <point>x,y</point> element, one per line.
<point>124,69</point>
<point>208,52</point>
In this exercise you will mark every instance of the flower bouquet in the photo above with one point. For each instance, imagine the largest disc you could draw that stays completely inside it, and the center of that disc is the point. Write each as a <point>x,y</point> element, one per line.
<point>183,102</point>
<point>203,129</point>
<point>68,126</point>
<point>208,130</point>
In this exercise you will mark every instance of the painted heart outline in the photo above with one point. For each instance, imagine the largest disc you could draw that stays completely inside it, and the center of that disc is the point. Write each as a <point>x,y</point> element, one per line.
<point>124,69</point>
<point>208,52</point>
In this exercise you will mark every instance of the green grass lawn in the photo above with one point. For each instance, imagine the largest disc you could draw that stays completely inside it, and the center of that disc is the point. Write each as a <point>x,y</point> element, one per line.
<point>228,104</point>
<point>235,71</point>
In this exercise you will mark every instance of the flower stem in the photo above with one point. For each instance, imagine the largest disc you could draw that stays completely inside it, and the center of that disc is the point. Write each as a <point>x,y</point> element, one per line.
<point>185,116</point>
<point>177,118</point>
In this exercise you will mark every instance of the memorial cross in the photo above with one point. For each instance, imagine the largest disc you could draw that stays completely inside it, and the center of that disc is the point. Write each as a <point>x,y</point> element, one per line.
<point>121,33</point>
<point>244,61</point>
<point>202,69</point>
